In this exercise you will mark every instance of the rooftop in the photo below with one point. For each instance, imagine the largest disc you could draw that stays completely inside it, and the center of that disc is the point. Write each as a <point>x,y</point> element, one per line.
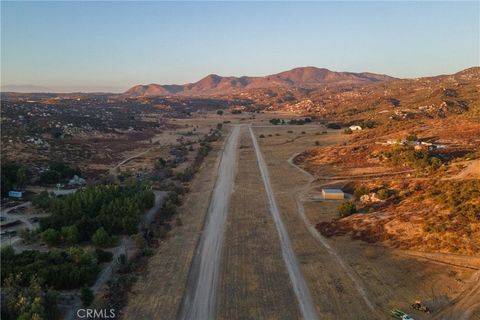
<point>332,190</point>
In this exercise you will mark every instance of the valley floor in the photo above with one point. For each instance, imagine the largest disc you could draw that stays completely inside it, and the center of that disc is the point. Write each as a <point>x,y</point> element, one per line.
<point>346,279</point>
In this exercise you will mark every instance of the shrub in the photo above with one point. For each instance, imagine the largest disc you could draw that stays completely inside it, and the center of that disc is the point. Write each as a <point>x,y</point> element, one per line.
<point>360,191</point>
<point>101,238</point>
<point>333,126</point>
<point>346,209</point>
<point>275,121</point>
<point>220,112</point>
<point>50,177</point>
<point>317,143</point>
<point>382,194</point>
<point>51,236</point>
<point>348,131</point>
<point>103,256</point>
<point>411,137</point>
<point>261,136</point>
<point>70,234</point>
<point>86,295</point>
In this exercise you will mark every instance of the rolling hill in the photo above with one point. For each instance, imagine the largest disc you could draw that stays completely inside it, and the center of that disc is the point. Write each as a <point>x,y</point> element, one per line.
<point>305,77</point>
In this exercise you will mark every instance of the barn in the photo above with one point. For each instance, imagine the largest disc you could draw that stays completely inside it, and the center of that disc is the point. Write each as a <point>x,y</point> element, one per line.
<point>333,194</point>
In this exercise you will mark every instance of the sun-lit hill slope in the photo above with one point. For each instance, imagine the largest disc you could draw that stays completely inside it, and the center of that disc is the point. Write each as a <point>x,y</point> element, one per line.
<point>306,77</point>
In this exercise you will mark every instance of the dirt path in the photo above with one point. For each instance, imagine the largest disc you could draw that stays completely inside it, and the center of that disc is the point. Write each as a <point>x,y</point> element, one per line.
<point>299,196</point>
<point>200,296</point>
<point>301,290</point>
<point>471,171</point>
<point>113,169</point>
<point>159,291</point>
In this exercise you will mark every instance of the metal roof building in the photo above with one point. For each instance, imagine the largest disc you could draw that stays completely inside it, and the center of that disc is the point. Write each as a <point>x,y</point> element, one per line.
<point>333,194</point>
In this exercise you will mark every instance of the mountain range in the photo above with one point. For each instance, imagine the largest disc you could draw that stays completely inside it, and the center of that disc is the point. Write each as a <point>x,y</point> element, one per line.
<point>305,77</point>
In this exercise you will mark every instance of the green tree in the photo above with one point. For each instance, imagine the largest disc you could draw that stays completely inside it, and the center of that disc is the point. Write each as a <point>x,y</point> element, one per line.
<point>50,177</point>
<point>101,238</point>
<point>50,236</point>
<point>70,234</point>
<point>22,178</point>
<point>87,296</point>
<point>25,304</point>
<point>346,209</point>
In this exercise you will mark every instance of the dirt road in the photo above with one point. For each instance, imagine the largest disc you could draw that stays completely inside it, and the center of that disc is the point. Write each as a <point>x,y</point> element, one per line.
<point>299,286</point>
<point>200,297</point>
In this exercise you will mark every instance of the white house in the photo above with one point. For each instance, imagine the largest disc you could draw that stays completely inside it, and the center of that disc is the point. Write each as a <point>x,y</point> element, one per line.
<point>355,128</point>
<point>77,181</point>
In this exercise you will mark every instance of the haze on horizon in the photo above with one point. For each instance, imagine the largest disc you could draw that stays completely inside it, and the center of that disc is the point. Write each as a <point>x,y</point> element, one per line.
<point>89,46</point>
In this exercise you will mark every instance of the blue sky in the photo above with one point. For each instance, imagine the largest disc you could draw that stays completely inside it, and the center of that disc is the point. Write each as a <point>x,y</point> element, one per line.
<point>113,45</point>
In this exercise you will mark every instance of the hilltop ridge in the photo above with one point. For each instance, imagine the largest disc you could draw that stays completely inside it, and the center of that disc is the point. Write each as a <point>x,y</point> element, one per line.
<point>304,77</point>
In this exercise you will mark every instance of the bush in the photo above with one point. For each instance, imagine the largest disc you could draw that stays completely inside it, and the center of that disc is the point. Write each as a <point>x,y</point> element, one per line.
<point>317,143</point>
<point>360,191</point>
<point>275,121</point>
<point>411,137</point>
<point>30,236</point>
<point>346,209</point>
<point>348,131</point>
<point>50,177</point>
<point>261,136</point>
<point>70,234</point>
<point>51,236</point>
<point>220,112</point>
<point>86,295</point>
<point>382,194</point>
<point>333,126</point>
<point>101,238</point>
<point>103,256</point>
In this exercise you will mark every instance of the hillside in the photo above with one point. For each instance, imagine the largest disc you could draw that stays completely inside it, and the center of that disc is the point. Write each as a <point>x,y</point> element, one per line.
<point>400,99</point>
<point>306,77</point>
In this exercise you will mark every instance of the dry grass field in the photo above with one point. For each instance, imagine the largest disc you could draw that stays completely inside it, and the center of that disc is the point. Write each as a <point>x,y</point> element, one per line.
<point>253,273</point>
<point>389,278</point>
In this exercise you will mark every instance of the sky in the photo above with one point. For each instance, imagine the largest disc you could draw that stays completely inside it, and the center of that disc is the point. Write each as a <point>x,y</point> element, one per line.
<point>111,46</point>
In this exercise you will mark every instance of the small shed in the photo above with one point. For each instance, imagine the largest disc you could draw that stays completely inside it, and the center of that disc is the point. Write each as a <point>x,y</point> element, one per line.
<point>15,194</point>
<point>333,194</point>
